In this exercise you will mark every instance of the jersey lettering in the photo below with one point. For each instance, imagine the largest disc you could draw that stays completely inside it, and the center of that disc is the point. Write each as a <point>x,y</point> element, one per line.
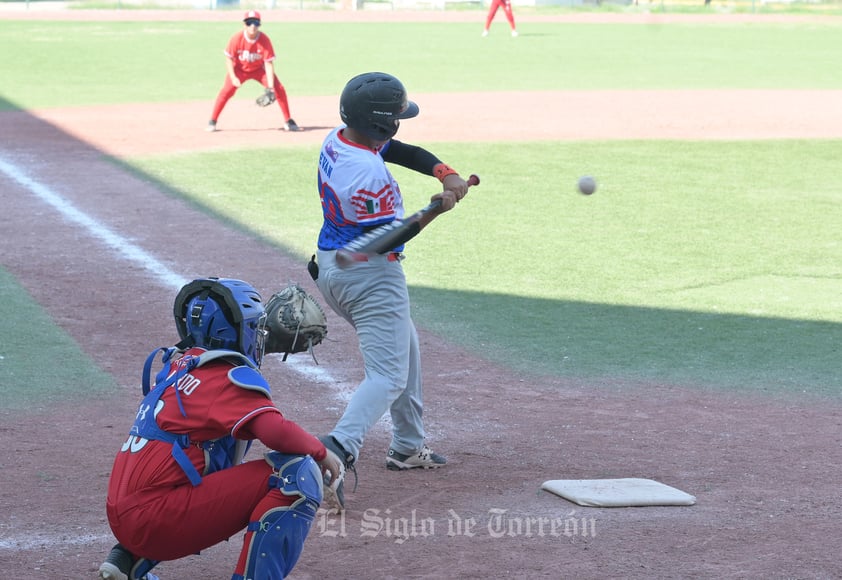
<point>188,383</point>
<point>247,56</point>
<point>324,163</point>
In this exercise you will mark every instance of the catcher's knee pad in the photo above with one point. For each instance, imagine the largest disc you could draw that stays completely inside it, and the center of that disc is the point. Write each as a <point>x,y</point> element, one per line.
<point>297,475</point>
<point>277,539</point>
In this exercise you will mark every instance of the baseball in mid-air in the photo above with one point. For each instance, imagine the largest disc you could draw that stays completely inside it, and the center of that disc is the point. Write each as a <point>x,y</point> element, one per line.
<point>587,185</point>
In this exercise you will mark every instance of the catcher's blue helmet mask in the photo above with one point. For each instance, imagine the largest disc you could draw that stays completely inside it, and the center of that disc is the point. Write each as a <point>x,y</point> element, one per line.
<point>221,313</point>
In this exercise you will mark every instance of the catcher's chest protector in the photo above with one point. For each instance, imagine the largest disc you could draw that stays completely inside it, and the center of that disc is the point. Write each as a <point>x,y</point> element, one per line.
<point>220,453</point>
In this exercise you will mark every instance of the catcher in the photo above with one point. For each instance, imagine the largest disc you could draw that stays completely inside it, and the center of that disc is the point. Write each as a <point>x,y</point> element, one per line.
<point>179,483</point>
<point>251,56</point>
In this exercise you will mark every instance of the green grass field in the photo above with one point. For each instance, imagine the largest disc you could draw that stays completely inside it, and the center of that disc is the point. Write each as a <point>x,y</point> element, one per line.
<point>709,264</point>
<point>39,363</point>
<point>85,63</point>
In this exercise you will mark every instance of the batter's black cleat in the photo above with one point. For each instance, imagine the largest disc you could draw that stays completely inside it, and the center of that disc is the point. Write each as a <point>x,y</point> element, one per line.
<point>424,459</point>
<point>337,490</point>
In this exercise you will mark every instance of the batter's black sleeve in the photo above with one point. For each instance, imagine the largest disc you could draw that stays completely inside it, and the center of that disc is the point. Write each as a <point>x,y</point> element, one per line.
<point>409,156</point>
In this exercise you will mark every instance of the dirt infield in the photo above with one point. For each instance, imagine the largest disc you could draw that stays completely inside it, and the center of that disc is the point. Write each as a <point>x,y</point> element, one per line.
<point>765,471</point>
<point>747,114</point>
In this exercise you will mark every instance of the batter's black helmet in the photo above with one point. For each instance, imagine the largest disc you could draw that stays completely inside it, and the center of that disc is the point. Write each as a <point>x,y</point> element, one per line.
<point>372,103</point>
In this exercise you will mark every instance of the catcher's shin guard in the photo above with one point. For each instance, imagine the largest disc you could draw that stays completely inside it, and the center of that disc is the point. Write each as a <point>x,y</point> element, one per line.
<point>277,539</point>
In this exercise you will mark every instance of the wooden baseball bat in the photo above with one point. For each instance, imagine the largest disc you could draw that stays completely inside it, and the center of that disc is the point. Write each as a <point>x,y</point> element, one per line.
<point>382,239</point>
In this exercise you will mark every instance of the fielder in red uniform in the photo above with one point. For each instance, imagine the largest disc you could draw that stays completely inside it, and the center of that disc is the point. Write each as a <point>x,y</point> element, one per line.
<point>250,56</point>
<point>179,483</point>
<point>506,5</point>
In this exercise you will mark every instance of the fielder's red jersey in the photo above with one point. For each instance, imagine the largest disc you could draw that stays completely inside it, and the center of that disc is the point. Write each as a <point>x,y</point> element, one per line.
<point>215,407</point>
<point>250,56</point>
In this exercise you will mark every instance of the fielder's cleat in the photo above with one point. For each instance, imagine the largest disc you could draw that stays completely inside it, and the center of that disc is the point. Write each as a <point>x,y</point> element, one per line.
<point>424,459</point>
<point>291,125</point>
<point>211,127</point>
<point>336,493</point>
<point>484,33</point>
<point>514,33</point>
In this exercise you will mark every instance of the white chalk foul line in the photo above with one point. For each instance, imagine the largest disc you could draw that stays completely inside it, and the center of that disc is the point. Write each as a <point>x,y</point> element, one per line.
<point>123,246</point>
<point>115,241</point>
<point>36,541</point>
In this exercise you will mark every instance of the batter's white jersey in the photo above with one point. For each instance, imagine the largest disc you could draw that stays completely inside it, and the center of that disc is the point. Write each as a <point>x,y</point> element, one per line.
<point>356,189</point>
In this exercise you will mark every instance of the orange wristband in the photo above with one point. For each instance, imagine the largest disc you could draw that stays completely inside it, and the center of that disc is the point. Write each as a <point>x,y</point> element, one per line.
<point>442,170</point>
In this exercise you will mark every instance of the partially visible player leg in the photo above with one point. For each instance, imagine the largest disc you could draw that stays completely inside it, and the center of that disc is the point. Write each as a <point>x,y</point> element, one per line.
<point>279,524</point>
<point>407,410</point>
<point>166,524</point>
<point>225,93</point>
<point>384,341</point>
<point>283,103</point>
<point>408,450</point>
<point>507,10</point>
<point>492,11</point>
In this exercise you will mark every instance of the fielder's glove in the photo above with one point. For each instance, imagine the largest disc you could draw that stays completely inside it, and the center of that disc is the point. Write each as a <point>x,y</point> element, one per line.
<point>295,322</point>
<point>266,99</point>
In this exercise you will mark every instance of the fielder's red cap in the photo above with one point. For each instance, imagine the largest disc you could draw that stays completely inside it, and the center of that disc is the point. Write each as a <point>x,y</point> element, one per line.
<point>251,14</point>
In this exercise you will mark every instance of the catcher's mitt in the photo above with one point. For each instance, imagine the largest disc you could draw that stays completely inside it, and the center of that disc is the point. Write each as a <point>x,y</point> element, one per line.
<point>295,322</point>
<point>266,99</point>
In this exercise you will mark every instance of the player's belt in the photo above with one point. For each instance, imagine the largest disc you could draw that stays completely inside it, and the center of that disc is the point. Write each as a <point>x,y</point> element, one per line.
<point>394,256</point>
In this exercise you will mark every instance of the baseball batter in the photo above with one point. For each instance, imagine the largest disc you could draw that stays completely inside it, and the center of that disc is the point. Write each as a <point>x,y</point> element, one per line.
<point>179,484</point>
<point>250,56</point>
<point>357,193</point>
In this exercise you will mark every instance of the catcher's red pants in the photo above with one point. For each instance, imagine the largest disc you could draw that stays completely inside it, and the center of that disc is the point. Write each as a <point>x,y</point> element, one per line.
<point>506,5</point>
<point>227,91</point>
<point>173,522</point>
